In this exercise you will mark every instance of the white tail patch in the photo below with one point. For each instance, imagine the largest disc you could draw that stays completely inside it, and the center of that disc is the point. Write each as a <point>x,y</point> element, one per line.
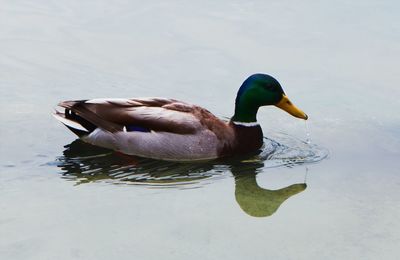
<point>70,123</point>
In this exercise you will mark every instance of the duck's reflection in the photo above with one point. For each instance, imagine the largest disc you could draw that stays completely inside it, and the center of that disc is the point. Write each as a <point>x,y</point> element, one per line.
<point>83,163</point>
<point>257,201</point>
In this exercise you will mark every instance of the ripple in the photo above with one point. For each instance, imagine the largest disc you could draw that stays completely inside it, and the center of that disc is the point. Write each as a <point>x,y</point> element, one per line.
<point>286,150</point>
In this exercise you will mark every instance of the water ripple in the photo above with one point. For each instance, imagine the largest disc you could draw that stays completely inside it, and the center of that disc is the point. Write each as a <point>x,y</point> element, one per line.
<point>286,150</point>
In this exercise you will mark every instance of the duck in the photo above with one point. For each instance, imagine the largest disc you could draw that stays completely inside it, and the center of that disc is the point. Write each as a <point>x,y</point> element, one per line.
<point>173,130</point>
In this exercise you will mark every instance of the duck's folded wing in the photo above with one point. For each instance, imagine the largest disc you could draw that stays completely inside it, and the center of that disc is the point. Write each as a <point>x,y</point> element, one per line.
<point>155,114</point>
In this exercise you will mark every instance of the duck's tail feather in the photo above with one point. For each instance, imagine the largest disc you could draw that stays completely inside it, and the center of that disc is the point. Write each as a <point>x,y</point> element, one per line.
<point>80,120</point>
<point>75,123</point>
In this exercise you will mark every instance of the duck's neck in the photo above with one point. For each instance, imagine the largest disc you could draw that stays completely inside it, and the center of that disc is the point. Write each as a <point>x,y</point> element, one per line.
<point>248,132</point>
<point>245,112</point>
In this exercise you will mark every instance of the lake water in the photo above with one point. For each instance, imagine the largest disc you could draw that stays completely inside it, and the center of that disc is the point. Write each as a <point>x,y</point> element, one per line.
<point>336,197</point>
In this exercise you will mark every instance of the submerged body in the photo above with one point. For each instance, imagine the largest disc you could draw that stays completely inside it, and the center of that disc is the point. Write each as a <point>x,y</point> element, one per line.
<point>168,129</point>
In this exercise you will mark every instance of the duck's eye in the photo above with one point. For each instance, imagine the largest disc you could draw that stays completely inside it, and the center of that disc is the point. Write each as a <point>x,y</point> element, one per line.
<point>289,103</point>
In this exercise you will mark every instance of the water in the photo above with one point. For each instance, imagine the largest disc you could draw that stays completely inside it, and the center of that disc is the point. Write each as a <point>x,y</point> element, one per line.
<point>333,197</point>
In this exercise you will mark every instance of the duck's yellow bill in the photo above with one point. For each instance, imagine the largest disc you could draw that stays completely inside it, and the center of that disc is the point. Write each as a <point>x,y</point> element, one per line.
<point>289,107</point>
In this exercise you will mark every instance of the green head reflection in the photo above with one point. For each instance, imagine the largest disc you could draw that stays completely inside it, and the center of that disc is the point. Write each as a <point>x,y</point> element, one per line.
<point>259,202</point>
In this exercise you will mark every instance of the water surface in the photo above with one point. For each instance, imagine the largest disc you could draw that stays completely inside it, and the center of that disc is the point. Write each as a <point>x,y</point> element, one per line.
<point>336,197</point>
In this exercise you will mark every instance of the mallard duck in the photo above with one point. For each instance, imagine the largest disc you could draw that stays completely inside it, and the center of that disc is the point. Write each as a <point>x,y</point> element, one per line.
<point>169,129</point>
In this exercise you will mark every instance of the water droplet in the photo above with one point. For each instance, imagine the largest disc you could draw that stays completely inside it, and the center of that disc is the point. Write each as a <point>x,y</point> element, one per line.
<point>308,136</point>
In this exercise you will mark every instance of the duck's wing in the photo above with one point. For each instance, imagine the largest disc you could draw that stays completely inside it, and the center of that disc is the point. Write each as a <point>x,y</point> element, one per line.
<point>153,114</point>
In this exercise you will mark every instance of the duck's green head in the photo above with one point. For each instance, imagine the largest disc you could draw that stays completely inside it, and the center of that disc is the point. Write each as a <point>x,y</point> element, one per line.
<point>262,90</point>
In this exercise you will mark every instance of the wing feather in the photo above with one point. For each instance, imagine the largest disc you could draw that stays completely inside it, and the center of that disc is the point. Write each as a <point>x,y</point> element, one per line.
<point>158,114</point>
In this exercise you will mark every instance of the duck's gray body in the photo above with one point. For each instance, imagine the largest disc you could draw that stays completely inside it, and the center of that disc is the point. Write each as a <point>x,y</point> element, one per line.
<point>159,145</point>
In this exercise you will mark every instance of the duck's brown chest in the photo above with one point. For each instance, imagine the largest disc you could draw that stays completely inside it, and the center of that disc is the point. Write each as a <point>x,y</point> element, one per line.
<point>247,139</point>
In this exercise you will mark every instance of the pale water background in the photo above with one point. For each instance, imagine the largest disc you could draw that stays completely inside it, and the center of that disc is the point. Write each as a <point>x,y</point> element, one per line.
<point>337,60</point>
